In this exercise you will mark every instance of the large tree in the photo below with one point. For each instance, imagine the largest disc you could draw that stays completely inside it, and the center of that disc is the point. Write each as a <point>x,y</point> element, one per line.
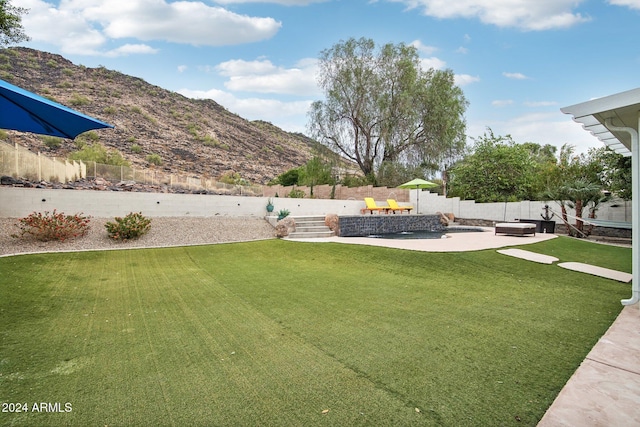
<point>497,170</point>
<point>381,106</point>
<point>11,30</point>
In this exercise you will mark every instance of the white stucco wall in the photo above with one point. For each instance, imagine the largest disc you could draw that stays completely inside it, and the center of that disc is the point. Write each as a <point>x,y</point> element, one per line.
<point>430,203</point>
<point>20,202</point>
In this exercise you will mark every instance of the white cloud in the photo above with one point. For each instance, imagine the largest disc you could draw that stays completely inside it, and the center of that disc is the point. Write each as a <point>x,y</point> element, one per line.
<point>524,14</point>
<point>61,27</point>
<point>290,116</point>
<point>262,76</point>
<point>423,48</point>
<point>465,79</point>
<point>242,67</point>
<point>502,102</point>
<point>282,2</point>
<point>182,68</point>
<point>463,50</point>
<point>433,62</point>
<point>85,26</point>
<point>536,104</point>
<point>131,49</point>
<point>180,22</point>
<point>632,4</point>
<point>515,76</point>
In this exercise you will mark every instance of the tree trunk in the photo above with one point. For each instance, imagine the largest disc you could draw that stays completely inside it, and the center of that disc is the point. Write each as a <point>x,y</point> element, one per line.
<point>579,209</point>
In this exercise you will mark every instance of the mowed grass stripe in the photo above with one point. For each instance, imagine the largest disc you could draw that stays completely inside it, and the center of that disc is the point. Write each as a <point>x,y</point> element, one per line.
<point>152,341</point>
<point>455,333</point>
<point>274,332</point>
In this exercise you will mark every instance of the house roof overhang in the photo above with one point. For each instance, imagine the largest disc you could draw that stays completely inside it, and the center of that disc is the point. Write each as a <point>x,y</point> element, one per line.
<point>620,110</point>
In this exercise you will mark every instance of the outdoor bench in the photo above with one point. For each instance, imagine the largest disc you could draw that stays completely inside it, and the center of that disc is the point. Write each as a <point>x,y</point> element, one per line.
<point>516,228</point>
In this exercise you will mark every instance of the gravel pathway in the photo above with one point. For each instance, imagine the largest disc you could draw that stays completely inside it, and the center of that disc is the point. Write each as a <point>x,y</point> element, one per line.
<point>164,232</point>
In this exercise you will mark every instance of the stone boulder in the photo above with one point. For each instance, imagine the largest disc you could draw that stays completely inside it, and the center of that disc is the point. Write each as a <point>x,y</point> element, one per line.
<point>285,226</point>
<point>332,221</point>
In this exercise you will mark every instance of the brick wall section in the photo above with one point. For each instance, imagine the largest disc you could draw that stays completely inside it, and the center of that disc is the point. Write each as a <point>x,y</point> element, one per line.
<point>380,194</point>
<point>365,225</point>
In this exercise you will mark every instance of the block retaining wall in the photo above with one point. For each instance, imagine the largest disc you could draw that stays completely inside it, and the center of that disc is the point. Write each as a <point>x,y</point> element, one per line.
<point>366,225</point>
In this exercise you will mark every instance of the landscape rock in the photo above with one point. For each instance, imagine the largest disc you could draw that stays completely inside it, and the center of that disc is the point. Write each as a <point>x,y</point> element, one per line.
<point>285,226</point>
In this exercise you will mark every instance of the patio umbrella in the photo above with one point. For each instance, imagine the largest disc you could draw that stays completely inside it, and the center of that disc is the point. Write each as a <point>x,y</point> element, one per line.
<point>418,184</point>
<point>25,111</point>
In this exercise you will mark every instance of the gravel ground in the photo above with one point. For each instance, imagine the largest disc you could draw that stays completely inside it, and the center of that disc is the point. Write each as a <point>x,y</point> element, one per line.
<point>164,232</point>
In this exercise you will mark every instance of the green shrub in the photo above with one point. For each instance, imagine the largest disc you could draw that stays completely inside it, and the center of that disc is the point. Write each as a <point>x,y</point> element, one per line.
<point>131,226</point>
<point>154,159</point>
<point>135,148</point>
<point>90,135</point>
<point>77,100</point>
<point>99,154</point>
<point>53,226</point>
<point>233,178</point>
<point>52,141</point>
<point>296,194</point>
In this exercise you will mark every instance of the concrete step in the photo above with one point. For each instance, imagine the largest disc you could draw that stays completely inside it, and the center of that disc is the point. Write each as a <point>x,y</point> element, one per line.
<point>310,234</point>
<point>310,227</point>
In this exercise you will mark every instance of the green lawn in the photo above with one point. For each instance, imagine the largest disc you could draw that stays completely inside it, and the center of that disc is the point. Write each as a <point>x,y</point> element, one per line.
<point>280,333</point>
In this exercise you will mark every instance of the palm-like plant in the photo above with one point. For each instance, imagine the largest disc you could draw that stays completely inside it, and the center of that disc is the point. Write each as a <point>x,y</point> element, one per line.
<point>580,194</point>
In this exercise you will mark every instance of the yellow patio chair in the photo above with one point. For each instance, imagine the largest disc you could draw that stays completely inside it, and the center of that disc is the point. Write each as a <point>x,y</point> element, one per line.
<point>371,206</point>
<point>394,206</point>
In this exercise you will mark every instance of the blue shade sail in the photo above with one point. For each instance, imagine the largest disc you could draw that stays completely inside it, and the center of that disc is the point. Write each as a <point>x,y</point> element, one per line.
<point>25,111</point>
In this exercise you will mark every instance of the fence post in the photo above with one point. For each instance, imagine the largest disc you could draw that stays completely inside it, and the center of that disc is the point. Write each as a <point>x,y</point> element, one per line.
<point>39,167</point>
<point>16,160</point>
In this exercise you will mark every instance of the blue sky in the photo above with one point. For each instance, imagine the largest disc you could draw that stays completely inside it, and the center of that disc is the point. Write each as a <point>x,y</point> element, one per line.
<point>517,61</point>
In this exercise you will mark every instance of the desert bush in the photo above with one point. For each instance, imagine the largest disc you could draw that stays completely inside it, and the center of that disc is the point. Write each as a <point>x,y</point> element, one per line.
<point>154,159</point>
<point>53,226</point>
<point>233,178</point>
<point>296,194</point>
<point>78,100</point>
<point>52,142</point>
<point>130,227</point>
<point>98,153</point>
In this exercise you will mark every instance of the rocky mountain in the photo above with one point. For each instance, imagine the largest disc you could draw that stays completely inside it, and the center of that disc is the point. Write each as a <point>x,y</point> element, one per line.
<point>198,137</point>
